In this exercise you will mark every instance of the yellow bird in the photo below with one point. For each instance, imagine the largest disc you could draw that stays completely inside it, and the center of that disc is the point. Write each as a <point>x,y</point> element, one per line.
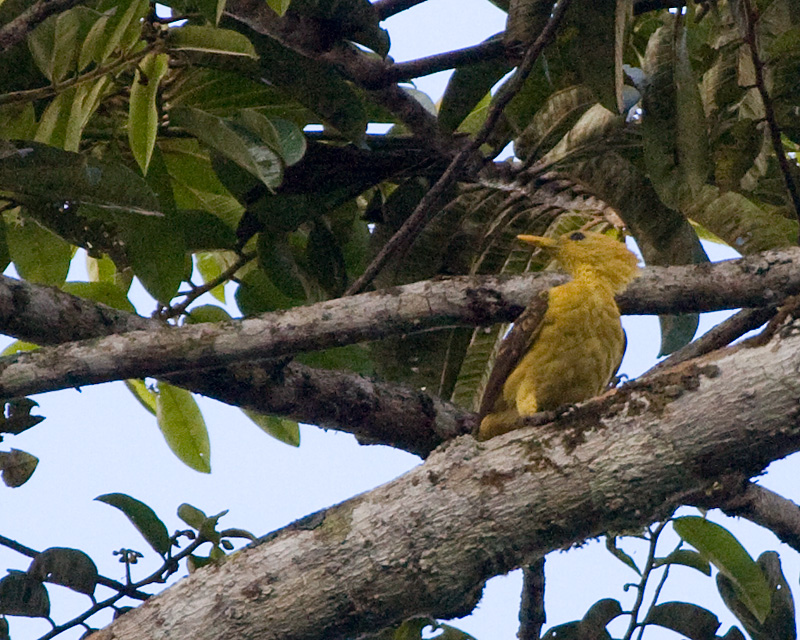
<point>568,344</point>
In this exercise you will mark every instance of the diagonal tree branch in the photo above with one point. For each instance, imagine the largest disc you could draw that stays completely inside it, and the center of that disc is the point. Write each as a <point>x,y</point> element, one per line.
<point>425,542</point>
<point>461,301</point>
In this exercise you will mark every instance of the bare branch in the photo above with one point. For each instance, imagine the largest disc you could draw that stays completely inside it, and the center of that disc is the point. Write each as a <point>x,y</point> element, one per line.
<point>461,301</point>
<point>720,336</point>
<point>531,609</point>
<point>404,71</point>
<point>534,490</point>
<point>388,8</point>
<point>466,163</point>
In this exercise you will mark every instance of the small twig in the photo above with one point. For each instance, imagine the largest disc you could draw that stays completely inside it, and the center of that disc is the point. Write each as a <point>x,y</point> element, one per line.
<point>388,8</point>
<point>640,588</point>
<point>657,593</point>
<point>769,111</point>
<point>48,91</point>
<point>720,336</point>
<point>16,30</point>
<point>404,71</point>
<point>106,582</point>
<point>464,162</point>
<point>179,309</point>
<point>531,610</point>
<point>160,575</point>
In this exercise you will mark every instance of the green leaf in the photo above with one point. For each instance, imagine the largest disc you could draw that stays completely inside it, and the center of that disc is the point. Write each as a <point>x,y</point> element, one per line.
<point>619,554</point>
<point>143,111</point>
<point>192,516</point>
<point>203,231</point>
<point>38,255</point>
<point>153,530</point>
<point>143,394</point>
<point>184,429</point>
<point>104,292</point>
<point>122,29</point>
<point>17,120</point>
<point>275,257</point>
<point>287,431</point>
<point>259,161</point>
<point>70,568</point>
<point>53,44</point>
<point>210,40</point>
<point>210,267</point>
<point>207,313</point>
<point>325,260</point>
<point>557,116</point>
<point>315,85</point>
<point>17,466</point>
<point>18,346</point>
<point>687,558</point>
<point>673,125</point>
<point>36,170</point>
<point>726,553</point>
<point>257,294</point>
<point>780,623</point>
<point>21,595</point>
<point>686,619</point>
<point>467,87</point>
<point>279,6</point>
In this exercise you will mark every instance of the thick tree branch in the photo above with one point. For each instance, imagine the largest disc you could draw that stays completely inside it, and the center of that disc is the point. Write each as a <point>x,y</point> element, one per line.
<point>425,542</point>
<point>461,301</point>
<point>375,412</point>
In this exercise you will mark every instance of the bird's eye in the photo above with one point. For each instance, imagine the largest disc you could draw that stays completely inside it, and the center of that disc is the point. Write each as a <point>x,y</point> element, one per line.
<point>576,236</point>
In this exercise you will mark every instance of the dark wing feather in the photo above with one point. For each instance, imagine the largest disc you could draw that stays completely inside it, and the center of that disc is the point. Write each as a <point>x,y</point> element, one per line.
<point>515,345</point>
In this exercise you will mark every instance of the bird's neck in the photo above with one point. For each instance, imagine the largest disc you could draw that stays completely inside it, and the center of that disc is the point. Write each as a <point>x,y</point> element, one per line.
<point>614,281</point>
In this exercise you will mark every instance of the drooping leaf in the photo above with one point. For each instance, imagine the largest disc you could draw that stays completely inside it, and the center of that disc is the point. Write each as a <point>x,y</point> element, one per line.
<point>619,554</point>
<point>70,568</point>
<point>143,111</point>
<point>258,160</point>
<point>673,126</point>
<point>143,518</point>
<point>35,170</point>
<point>210,40</point>
<point>726,553</point>
<point>104,292</point>
<point>685,618</point>
<point>17,467</point>
<point>38,255</point>
<point>143,394</point>
<point>183,427</point>
<point>780,623</point>
<point>687,558</point>
<point>207,313</point>
<point>467,87</point>
<point>21,595</point>
<point>287,431</point>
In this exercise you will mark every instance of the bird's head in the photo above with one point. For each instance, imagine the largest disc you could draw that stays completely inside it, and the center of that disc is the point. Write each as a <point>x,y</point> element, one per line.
<point>607,257</point>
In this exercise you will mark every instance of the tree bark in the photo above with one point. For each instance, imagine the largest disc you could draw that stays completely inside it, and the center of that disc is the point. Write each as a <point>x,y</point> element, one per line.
<point>471,301</point>
<point>424,543</point>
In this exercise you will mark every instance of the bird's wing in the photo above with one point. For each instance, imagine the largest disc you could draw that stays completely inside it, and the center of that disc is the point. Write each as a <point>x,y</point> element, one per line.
<point>515,345</point>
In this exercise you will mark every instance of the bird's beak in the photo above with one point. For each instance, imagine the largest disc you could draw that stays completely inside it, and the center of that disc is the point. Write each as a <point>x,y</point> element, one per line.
<point>539,241</point>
